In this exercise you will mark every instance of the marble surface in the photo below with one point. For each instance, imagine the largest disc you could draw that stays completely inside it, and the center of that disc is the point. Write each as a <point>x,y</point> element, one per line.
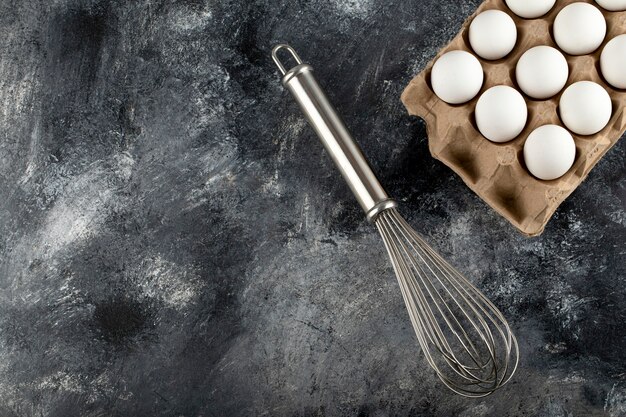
<point>175,242</point>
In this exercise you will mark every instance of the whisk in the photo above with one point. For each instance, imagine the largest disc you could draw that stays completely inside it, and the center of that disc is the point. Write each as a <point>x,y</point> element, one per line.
<point>463,335</point>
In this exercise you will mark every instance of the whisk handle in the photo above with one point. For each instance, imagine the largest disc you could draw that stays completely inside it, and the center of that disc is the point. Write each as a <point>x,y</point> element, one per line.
<point>333,133</point>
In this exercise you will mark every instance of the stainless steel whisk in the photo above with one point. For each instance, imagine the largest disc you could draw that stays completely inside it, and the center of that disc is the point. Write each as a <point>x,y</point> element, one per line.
<point>464,337</point>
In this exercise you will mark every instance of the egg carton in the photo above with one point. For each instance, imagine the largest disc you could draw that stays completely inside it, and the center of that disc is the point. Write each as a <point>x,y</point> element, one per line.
<point>496,171</point>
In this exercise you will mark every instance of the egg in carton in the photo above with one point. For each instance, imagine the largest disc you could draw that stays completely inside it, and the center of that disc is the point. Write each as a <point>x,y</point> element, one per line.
<point>497,172</point>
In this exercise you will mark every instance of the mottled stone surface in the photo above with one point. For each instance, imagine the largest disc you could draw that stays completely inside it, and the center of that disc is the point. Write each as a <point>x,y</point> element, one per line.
<point>175,242</point>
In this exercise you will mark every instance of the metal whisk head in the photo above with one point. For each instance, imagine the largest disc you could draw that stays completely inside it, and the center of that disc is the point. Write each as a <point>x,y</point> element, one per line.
<point>464,337</point>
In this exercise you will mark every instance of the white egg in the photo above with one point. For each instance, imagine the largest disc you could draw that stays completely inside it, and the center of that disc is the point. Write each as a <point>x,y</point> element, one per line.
<point>613,62</point>
<point>456,77</point>
<point>585,107</point>
<point>530,9</point>
<point>541,72</point>
<point>579,28</point>
<point>549,152</point>
<point>492,34</point>
<point>612,5</point>
<point>501,113</point>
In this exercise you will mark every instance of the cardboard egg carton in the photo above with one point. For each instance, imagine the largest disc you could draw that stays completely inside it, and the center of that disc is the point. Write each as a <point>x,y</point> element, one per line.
<point>496,171</point>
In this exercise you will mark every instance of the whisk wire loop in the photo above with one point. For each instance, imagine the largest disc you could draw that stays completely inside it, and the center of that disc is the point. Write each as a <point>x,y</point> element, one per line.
<point>449,315</point>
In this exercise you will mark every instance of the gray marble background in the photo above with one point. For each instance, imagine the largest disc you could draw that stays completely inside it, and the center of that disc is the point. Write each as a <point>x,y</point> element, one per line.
<point>175,242</point>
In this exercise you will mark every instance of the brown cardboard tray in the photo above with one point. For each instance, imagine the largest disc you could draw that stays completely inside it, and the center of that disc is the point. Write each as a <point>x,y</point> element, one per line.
<point>496,171</point>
